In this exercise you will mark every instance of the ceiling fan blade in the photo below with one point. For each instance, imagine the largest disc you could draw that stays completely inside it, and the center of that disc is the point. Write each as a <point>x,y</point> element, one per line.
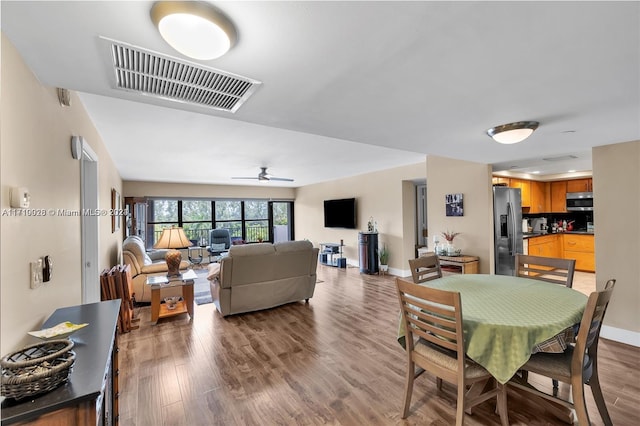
<point>281,179</point>
<point>246,177</point>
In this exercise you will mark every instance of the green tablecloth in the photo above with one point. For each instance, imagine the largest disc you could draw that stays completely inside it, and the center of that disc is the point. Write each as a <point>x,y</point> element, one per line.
<point>505,317</point>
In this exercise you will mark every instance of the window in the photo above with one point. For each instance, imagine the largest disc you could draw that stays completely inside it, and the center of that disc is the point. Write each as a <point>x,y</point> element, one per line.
<point>162,214</point>
<point>196,219</point>
<point>229,216</point>
<point>256,223</point>
<point>248,220</point>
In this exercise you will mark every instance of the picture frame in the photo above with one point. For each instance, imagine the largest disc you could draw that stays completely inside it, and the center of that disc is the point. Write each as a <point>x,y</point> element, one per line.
<point>116,206</point>
<point>454,205</point>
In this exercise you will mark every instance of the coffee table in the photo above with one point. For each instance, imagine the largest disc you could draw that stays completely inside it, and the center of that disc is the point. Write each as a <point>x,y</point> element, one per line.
<point>158,282</point>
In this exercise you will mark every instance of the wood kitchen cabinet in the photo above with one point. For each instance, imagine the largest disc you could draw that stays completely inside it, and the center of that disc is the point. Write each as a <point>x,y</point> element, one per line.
<point>558,196</point>
<point>580,185</point>
<point>540,197</point>
<point>582,249</point>
<point>499,180</point>
<point>525,190</point>
<point>545,245</point>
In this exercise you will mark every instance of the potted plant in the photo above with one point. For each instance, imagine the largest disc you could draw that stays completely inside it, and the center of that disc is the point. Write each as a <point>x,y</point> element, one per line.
<point>450,249</point>
<point>383,254</point>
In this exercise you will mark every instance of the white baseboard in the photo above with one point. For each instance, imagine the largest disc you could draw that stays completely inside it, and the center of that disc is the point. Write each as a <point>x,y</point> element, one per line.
<point>620,335</point>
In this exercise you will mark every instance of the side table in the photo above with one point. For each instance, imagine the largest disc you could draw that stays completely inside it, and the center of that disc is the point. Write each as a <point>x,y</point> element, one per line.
<point>196,256</point>
<point>186,282</point>
<point>466,264</point>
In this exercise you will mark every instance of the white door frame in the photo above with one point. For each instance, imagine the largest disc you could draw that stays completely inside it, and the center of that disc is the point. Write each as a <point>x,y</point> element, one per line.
<point>90,230</point>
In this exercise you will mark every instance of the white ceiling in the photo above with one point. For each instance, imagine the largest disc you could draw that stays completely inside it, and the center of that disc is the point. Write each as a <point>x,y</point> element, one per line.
<point>352,87</point>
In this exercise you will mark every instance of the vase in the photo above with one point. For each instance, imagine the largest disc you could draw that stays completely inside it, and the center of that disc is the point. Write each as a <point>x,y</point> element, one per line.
<point>451,249</point>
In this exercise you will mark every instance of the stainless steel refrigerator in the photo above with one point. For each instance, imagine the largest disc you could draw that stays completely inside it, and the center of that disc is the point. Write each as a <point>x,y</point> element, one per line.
<point>507,219</point>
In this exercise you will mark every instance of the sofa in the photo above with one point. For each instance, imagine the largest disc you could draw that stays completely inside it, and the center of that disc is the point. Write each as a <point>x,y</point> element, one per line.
<point>264,275</point>
<point>143,264</point>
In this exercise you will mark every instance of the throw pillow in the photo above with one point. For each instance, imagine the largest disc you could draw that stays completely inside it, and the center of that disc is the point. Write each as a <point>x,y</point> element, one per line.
<point>218,247</point>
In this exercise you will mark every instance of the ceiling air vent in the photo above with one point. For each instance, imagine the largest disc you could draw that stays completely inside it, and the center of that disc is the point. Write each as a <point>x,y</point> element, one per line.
<point>150,73</point>
<point>561,158</point>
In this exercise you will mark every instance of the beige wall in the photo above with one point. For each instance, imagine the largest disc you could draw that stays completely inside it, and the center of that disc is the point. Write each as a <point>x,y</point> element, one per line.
<point>381,195</point>
<point>35,152</point>
<point>473,180</point>
<point>160,189</point>
<point>616,188</point>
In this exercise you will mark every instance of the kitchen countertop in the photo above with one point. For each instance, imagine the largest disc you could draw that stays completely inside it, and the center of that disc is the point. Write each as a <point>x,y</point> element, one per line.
<point>528,235</point>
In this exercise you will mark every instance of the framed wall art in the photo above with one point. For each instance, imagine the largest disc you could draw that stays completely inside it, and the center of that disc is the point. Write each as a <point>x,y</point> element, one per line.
<point>454,205</point>
<point>116,206</point>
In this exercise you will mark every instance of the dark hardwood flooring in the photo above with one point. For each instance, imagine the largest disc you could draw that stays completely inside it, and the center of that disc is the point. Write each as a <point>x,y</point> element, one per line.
<point>334,361</point>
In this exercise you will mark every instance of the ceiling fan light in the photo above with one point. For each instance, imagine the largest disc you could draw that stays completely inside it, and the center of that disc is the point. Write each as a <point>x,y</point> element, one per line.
<point>513,132</point>
<point>195,29</point>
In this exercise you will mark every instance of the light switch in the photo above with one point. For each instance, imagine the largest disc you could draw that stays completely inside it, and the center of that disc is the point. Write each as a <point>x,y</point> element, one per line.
<point>36,273</point>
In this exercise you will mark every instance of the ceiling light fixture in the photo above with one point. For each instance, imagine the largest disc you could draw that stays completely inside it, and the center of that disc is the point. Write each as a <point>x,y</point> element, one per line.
<point>194,28</point>
<point>512,132</point>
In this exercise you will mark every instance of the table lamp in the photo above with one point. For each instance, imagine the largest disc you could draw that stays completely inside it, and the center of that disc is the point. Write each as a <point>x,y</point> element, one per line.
<point>173,238</point>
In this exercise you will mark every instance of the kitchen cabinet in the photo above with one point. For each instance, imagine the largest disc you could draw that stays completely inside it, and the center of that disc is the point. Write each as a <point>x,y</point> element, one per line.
<point>525,190</point>
<point>580,185</point>
<point>499,180</point>
<point>582,249</point>
<point>545,245</point>
<point>540,198</point>
<point>558,196</point>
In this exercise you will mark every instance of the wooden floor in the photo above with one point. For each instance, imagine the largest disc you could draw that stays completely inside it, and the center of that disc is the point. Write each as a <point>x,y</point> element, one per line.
<point>334,361</point>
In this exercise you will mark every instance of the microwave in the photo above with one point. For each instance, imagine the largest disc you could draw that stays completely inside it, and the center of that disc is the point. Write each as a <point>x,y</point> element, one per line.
<point>579,201</point>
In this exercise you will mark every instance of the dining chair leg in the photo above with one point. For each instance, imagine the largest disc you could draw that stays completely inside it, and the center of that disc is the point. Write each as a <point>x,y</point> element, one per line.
<point>579,403</point>
<point>594,383</point>
<point>408,389</point>
<point>462,389</point>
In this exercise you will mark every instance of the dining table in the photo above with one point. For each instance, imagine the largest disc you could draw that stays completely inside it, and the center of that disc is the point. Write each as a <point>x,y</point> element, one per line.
<point>505,319</point>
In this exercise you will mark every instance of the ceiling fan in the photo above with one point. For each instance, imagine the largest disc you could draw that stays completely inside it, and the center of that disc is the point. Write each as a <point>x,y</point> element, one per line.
<point>263,176</point>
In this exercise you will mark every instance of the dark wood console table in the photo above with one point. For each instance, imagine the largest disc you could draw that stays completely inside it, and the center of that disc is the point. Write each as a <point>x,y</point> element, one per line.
<point>90,395</point>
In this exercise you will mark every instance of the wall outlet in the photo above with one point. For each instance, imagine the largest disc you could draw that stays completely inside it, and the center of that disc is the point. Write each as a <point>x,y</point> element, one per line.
<point>36,273</point>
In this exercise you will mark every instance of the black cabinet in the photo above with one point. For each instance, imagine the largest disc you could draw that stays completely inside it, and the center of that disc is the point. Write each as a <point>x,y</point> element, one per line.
<point>91,395</point>
<point>368,250</point>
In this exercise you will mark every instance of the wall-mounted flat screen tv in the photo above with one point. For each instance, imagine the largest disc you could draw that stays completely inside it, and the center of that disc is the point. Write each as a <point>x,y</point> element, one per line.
<point>340,213</point>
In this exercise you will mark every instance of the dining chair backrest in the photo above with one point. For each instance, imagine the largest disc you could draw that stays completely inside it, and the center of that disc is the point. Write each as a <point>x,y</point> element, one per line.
<point>586,346</point>
<point>549,269</point>
<point>425,268</point>
<point>433,315</point>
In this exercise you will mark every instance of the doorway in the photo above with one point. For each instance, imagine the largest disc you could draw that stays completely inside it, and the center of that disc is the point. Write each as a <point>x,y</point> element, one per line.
<point>89,223</point>
<point>422,235</point>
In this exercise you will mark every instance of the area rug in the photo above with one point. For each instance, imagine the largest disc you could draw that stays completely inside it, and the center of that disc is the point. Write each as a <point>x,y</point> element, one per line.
<point>201,289</point>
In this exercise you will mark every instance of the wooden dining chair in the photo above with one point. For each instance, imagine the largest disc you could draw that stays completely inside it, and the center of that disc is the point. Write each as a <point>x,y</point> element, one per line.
<point>434,342</point>
<point>578,365</point>
<point>425,268</point>
<point>549,269</point>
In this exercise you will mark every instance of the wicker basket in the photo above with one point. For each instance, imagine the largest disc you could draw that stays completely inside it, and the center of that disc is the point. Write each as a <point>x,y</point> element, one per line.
<point>37,368</point>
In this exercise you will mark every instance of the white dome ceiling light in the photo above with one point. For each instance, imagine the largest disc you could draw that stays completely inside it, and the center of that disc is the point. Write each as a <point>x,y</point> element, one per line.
<point>513,132</point>
<point>194,28</point>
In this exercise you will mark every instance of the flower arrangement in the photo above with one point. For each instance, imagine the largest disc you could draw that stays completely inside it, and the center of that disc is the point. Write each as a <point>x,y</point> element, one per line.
<point>450,235</point>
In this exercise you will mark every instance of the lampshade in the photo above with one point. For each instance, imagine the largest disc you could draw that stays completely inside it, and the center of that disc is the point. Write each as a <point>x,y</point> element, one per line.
<point>513,132</point>
<point>172,238</point>
<point>194,28</point>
